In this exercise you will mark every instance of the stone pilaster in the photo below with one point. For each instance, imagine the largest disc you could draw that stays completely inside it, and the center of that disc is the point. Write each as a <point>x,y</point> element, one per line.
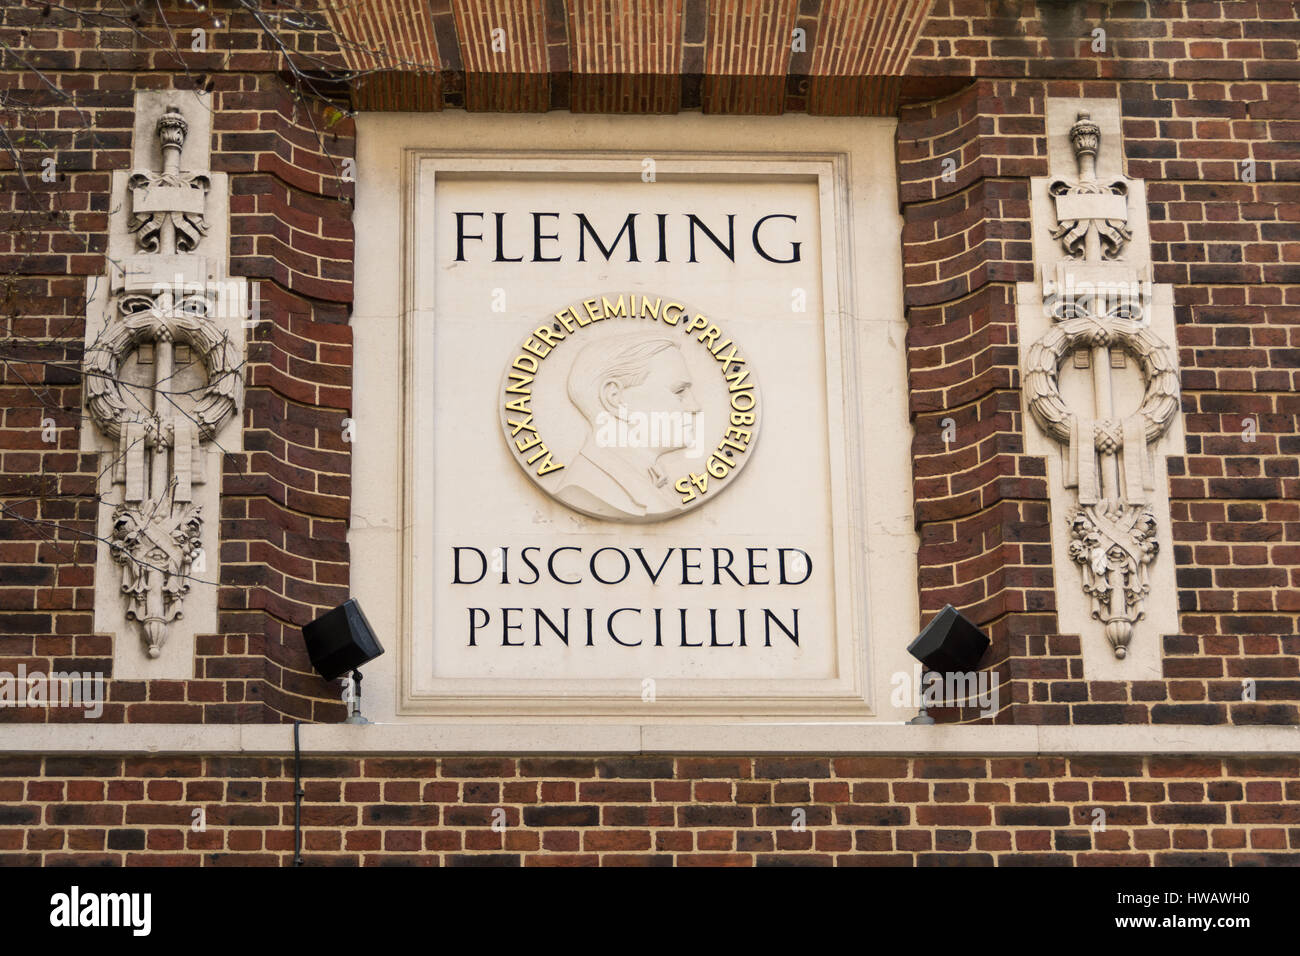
<point>164,372</point>
<point>1100,380</point>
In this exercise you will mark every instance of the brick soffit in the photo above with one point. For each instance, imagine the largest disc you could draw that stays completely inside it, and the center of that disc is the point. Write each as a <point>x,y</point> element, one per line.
<point>628,55</point>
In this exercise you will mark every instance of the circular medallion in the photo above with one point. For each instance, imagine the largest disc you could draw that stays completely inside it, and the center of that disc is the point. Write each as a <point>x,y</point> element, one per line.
<point>630,407</point>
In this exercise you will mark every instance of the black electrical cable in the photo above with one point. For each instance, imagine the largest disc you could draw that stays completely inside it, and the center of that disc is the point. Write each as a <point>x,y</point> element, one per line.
<point>297,798</point>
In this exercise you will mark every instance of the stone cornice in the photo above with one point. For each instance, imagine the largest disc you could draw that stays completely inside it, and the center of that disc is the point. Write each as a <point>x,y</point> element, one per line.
<point>750,738</point>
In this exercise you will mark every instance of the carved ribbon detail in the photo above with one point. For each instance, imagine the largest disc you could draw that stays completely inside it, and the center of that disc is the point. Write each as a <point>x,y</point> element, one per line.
<point>178,198</point>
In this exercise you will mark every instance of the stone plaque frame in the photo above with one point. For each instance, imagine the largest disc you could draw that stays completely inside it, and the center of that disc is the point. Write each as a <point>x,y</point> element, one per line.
<point>870,638</point>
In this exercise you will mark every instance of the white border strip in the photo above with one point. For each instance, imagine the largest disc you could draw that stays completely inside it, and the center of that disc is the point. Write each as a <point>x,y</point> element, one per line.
<point>748,739</point>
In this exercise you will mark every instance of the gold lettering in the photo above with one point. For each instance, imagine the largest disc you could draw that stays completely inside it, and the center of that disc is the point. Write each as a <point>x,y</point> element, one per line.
<point>526,363</point>
<point>653,311</point>
<point>521,384</point>
<point>536,440</point>
<point>698,322</point>
<point>592,310</point>
<point>737,380</point>
<point>614,309</point>
<point>525,425</point>
<point>740,434</point>
<point>737,396</point>
<point>548,335</point>
<point>538,349</point>
<point>742,418</point>
<point>567,323</point>
<point>672,319</point>
<point>730,357</point>
<point>543,450</point>
<point>709,335</point>
<point>547,466</point>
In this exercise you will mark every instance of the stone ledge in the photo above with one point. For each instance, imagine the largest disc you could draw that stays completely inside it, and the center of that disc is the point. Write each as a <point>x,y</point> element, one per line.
<point>749,739</point>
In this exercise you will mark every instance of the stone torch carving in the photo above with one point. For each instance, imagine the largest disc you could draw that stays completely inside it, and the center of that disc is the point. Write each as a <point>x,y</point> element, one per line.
<point>177,199</point>
<point>1098,308</point>
<point>159,427</point>
<point>1085,208</point>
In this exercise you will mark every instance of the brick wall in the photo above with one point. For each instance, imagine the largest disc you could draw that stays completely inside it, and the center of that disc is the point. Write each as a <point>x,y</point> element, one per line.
<point>285,498</point>
<point>651,810</point>
<point>1203,87</point>
<point>1227,247</point>
<point>981,504</point>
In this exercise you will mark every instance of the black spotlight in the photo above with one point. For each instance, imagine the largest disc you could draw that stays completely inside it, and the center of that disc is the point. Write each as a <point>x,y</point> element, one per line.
<point>948,644</point>
<point>339,641</point>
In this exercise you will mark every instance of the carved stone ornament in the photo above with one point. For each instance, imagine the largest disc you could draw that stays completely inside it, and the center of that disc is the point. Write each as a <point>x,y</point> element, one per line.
<point>158,429</point>
<point>1086,207</point>
<point>1108,456</point>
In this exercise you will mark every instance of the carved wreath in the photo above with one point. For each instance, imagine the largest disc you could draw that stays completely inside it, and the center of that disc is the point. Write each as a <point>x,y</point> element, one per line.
<point>143,322</point>
<point>1042,367</point>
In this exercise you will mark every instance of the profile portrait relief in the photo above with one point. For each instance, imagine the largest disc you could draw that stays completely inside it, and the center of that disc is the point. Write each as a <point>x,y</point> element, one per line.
<point>628,409</point>
<point>636,394</point>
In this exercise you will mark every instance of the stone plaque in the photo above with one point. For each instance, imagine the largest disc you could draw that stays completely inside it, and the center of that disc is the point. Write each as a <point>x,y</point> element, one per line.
<point>632,449</point>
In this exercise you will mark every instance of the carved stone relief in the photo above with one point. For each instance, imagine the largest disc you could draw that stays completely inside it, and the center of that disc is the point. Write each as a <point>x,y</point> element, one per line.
<point>163,377</point>
<point>628,409</point>
<point>1096,317</point>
